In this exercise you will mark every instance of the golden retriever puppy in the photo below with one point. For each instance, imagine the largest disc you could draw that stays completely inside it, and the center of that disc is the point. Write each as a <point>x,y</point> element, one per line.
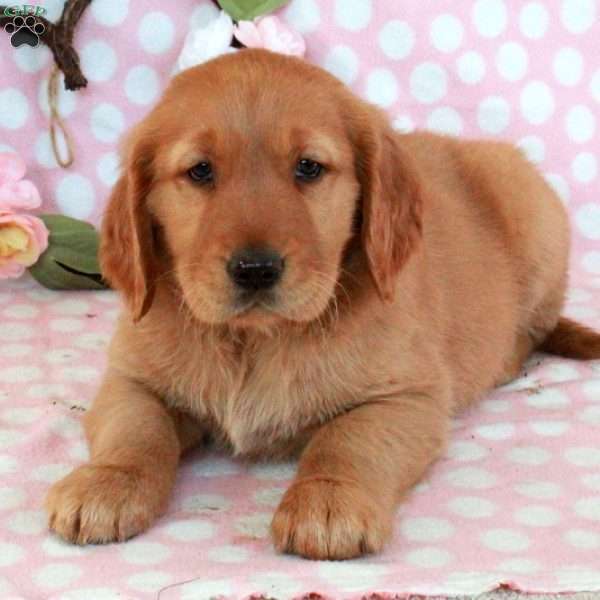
<point>300,279</point>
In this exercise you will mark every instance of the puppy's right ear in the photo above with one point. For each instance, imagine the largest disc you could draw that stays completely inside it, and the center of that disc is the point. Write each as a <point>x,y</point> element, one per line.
<point>127,258</point>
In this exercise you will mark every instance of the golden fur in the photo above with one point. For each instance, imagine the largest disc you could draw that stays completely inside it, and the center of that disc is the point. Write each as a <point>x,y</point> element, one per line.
<point>421,271</point>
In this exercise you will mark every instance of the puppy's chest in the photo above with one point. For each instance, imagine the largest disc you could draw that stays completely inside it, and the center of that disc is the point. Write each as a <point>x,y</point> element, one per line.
<point>262,395</point>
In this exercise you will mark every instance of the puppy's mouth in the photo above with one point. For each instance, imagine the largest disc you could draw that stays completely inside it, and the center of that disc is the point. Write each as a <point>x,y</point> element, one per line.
<point>255,302</point>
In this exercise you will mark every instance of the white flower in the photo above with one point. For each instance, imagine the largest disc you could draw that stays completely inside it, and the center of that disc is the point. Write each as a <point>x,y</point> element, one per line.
<point>203,43</point>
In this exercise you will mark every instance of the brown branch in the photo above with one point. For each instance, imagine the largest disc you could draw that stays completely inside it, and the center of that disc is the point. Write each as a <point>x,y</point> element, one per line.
<point>59,38</point>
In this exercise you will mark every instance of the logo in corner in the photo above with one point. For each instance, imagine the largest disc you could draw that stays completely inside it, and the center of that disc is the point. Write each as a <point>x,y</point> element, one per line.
<point>25,30</point>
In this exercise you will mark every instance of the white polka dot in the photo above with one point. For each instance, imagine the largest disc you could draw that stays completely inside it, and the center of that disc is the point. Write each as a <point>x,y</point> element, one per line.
<point>54,546</point>
<point>81,374</point>
<point>354,16</point>
<point>346,576</point>
<point>495,406</point>
<point>155,32</point>
<point>489,17</point>
<point>446,33</point>
<point>281,471</point>
<point>382,87</point>
<point>20,374</point>
<point>8,464</point>
<point>189,530</point>
<point>512,61</point>
<point>269,496</point>
<point>595,85</point>
<point>67,100</point>
<point>144,553</point>
<point>463,582</point>
<point>92,341</point>
<point>591,389</point>
<point>204,588</point>
<point>584,167</point>
<point>10,553</point>
<point>150,581</point>
<point>529,455</point>
<point>493,114</point>
<point>14,109</point>
<point>66,427</point>
<point>559,184</point>
<point>61,356</point>
<point>229,554</point>
<point>445,120</point>
<point>580,124</point>
<point>471,477</point>
<point>108,168</point>
<point>21,311</point>
<point>98,61</point>
<point>22,415</point>
<point>110,13</point>
<point>280,585</point>
<point>11,497</point>
<point>428,82</point>
<point>303,15</point>
<point>206,503</point>
<point>533,20</point>
<point>548,399</point>
<point>141,85</point>
<point>428,558</point>
<point>396,39</point>
<point>28,522</point>
<point>590,415</point>
<point>471,507</point>
<point>471,67</point>
<point>537,516</point>
<point>539,490</point>
<point>568,66</point>
<point>496,431</point>
<point>71,307</point>
<point>537,102</point>
<point>57,575</point>
<point>550,428</point>
<point>31,60</point>
<point>575,577</point>
<point>578,15</point>
<point>75,197</point>
<point>48,390</point>
<point>51,472</point>
<point>522,566</point>
<point>15,350</point>
<point>587,218</point>
<point>107,122</point>
<point>342,62</point>
<point>467,451</point>
<point>534,148</point>
<point>505,540</point>
<point>583,456</point>
<point>404,124</point>
<point>255,525</point>
<point>591,263</point>
<point>583,539</point>
<point>425,529</point>
<point>588,508</point>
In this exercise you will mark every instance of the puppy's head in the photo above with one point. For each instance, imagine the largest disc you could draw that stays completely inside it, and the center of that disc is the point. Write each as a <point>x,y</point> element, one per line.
<point>248,180</point>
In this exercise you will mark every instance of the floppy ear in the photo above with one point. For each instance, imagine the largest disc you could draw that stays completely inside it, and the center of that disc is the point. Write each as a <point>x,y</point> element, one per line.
<point>127,255</point>
<point>391,206</point>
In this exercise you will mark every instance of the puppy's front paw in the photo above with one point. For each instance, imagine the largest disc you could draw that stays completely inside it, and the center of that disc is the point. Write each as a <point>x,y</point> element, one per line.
<point>103,503</point>
<point>327,519</point>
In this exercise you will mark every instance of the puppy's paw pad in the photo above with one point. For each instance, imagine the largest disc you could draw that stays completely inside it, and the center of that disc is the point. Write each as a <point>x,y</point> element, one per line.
<point>101,503</point>
<point>329,520</point>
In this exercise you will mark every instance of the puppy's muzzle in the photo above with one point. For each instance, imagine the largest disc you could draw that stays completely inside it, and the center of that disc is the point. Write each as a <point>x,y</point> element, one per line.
<point>254,269</point>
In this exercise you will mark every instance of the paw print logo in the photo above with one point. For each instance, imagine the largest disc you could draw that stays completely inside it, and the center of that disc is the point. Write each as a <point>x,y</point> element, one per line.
<point>25,31</point>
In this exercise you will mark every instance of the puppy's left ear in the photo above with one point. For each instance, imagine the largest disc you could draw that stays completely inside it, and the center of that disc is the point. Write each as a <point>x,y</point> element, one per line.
<point>391,204</point>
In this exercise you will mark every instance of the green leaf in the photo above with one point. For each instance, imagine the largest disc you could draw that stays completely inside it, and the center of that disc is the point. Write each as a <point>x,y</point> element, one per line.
<point>71,260</point>
<point>246,10</point>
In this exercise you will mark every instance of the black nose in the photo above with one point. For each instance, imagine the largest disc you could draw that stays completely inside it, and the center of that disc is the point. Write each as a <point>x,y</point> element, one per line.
<point>255,269</point>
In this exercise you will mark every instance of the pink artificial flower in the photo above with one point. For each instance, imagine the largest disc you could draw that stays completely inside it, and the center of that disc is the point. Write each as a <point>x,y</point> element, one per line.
<point>272,34</point>
<point>22,237</point>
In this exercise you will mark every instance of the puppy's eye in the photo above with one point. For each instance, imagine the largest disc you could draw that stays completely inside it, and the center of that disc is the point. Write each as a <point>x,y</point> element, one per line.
<point>202,172</point>
<point>308,170</point>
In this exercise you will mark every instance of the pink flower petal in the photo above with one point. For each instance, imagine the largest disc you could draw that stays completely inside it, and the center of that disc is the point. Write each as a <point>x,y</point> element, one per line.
<point>19,195</point>
<point>12,168</point>
<point>11,270</point>
<point>248,34</point>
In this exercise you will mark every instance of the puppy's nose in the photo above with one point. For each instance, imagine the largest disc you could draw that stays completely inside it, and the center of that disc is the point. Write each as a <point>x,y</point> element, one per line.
<point>255,268</point>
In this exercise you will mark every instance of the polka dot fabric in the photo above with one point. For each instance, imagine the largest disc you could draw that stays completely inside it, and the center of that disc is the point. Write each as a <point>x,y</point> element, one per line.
<point>516,498</point>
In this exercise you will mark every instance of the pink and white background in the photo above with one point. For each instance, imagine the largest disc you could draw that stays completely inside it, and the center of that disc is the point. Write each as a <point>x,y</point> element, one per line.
<point>515,501</point>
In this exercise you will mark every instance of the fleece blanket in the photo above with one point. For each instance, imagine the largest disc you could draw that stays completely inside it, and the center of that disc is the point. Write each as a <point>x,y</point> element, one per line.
<point>516,499</point>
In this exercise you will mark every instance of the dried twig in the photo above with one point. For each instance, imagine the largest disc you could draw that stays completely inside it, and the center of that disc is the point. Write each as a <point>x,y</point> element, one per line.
<point>59,38</point>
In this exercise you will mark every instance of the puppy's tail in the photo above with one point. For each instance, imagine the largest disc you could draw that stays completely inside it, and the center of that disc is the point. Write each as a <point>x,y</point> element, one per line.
<point>572,340</point>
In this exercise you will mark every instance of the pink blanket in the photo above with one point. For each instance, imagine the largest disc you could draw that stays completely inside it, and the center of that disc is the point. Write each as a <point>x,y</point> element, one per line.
<point>517,498</point>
